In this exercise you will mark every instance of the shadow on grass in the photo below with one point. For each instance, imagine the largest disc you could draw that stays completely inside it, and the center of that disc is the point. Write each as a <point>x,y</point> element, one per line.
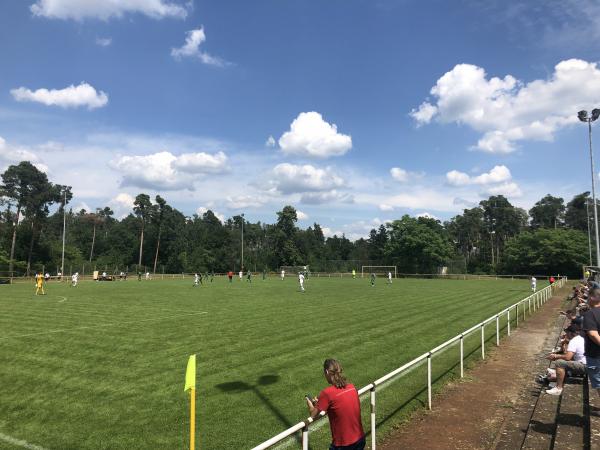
<point>265,380</point>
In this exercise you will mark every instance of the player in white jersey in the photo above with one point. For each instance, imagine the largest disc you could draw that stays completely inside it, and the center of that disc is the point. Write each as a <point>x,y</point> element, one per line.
<point>196,279</point>
<point>389,277</point>
<point>301,281</point>
<point>74,279</point>
<point>241,274</point>
<point>147,275</point>
<point>533,284</point>
<point>282,274</point>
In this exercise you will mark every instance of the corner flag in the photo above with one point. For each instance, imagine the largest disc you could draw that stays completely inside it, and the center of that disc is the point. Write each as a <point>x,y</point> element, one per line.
<point>190,384</point>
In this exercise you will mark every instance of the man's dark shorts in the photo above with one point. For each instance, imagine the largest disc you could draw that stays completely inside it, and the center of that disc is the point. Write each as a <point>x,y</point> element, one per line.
<point>358,445</point>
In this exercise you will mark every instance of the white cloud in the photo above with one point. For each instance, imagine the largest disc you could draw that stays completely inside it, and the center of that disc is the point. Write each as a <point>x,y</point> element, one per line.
<point>14,155</point>
<point>122,204</point>
<point>164,170</point>
<point>498,174</point>
<point>403,176</point>
<point>312,136</point>
<point>386,207</point>
<point>355,230</point>
<point>301,215</point>
<point>290,178</point>
<point>103,42</point>
<point>507,189</point>
<point>317,198</point>
<point>191,49</point>
<point>506,110</point>
<point>69,97</point>
<point>105,9</point>
<point>245,201</point>
<point>202,209</point>
<point>80,206</point>
<point>270,142</point>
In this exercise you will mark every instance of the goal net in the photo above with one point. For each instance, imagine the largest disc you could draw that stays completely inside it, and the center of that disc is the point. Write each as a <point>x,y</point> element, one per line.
<point>379,270</point>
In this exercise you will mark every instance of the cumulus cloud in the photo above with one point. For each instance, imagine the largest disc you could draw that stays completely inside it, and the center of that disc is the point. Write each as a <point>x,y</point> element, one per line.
<point>355,230</point>
<point>13,155</point>
<point>106,9</point>
<point>498,174</point>
<point>103,42</point>
<point>506,189</point>
<point>122,204</point>
<point>191,49</point>
<point>245,201</point>
<point>69,97</point>
<point>290,178</point>
<point>386,207</point>
<point>310,135</point>
<point>404,176</point>
<point>506,110</point>
<point>164,170</point>
<point>202,209</point>
<point>317,198</point>
<point>301,215</point>
<point>270,142</point>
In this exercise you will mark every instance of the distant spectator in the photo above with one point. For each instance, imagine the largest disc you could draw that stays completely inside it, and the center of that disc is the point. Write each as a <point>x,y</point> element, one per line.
<point>571,362</point>
<point>341,403</point>
<point>591,326</point>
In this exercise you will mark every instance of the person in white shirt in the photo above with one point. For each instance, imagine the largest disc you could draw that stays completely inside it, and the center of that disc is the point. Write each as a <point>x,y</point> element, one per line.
<point>572,361</point>
<point>301,281</point>
<point>147,275</point>
<point>241,274</point>
<point>74,279</point>
<point>282,274</point>
<point>196,279</point>
<point>389,277</point>
<point>533,284</point>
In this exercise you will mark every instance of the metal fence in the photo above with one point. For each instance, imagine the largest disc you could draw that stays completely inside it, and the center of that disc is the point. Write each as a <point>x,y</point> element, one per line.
<point>526,306</point>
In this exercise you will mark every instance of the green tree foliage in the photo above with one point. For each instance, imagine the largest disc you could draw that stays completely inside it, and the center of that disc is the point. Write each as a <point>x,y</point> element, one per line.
<point>576,215</point>
<point>418,245</point>
<point>549,212</point>
<point>546,251</point>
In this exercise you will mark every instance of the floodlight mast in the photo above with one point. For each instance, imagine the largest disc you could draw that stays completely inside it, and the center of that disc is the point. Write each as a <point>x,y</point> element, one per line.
<point>583,116</point>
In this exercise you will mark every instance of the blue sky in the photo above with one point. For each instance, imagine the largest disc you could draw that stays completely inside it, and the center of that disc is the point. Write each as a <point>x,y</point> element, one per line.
<point>355,112</point>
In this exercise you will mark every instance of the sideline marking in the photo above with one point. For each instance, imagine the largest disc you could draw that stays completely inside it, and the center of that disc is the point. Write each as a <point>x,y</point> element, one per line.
<point>63,299</point>
<point>19,442</point>
<point>66,330</point>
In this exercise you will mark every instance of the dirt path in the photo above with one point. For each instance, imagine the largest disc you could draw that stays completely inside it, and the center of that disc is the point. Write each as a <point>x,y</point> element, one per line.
<point>470,414</point>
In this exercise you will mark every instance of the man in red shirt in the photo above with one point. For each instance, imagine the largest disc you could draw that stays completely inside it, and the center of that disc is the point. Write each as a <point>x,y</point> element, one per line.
<point>230,275</point>
<point>341,403</point>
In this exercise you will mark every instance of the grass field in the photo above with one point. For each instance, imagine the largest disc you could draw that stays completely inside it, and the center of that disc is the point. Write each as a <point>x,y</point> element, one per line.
<point>101,366</point>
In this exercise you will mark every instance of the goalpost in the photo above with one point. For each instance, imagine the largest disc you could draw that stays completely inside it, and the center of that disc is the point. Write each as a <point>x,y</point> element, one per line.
<point>295,269</point>
<point>379,270</point>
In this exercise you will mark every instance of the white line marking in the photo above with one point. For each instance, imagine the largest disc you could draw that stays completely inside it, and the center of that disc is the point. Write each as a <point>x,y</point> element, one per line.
<point>63,299</point>
<point>19,442</point>
<point>66,330</point>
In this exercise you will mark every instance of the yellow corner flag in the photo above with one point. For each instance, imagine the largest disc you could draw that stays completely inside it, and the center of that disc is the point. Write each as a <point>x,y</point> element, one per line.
<point>190,384</point>
<point>190,374</point>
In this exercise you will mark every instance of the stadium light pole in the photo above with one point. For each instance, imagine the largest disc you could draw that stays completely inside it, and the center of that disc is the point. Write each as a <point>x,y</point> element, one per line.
<point>242,268</point>
<point>584,117</point>
<point>62,264</point>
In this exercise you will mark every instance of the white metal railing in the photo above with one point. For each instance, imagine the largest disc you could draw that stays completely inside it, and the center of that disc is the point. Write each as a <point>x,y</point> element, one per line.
<point>535,301</point>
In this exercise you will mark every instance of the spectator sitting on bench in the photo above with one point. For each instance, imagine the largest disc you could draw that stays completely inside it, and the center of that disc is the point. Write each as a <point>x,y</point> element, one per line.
<point>571,362</point>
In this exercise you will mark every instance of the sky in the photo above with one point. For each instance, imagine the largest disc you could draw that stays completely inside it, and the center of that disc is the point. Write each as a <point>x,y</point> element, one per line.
<point>355,112</point>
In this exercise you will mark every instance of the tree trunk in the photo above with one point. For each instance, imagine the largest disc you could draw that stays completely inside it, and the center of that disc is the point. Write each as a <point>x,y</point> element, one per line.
<point>93,242</point>
<point>141,245</point>
<point>14,240</point>
<point>157,247</point>
<point>30,246</point>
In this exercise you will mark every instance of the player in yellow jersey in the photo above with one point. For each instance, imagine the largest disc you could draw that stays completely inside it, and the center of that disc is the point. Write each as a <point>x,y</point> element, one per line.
<point>39,283</point>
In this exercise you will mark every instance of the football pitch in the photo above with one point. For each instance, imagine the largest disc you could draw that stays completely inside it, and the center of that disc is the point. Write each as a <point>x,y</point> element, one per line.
<point>102,365</point>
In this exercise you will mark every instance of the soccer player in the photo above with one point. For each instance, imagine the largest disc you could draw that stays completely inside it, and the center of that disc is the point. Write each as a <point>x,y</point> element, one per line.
<point>372,278</point>
<point>39,282</point>
<point>47,277</point>
<point>264,274</point>
<point>230,275</point>
<point>249,277</point>
<point>353,274</point>
<point>389,277</point>
<point>139,275</point>
<point>212,275</point>
<point>533,284</point>
<point>301,281</point>
<point>196,279</point>
<point>147,275</point>
<point>282,274</point>
<point>74,279</point>
<point>241,274</point>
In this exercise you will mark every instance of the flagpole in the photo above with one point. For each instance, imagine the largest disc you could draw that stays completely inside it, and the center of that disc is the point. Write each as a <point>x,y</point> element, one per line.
<point>192,419</point>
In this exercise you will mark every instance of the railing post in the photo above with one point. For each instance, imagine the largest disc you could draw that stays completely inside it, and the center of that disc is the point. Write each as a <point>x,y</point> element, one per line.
<point>497,330</point>
<point>305,437</point>
<point>482,340</point>
<point>508,320</point>
<point>462,355</point>
<point>429,380</point>
<point>529,303</point>
<point>517,314</point>
<point>373,439</point>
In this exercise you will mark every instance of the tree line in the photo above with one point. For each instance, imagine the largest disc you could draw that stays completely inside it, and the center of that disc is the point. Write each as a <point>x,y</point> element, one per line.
<point>493,237</point>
